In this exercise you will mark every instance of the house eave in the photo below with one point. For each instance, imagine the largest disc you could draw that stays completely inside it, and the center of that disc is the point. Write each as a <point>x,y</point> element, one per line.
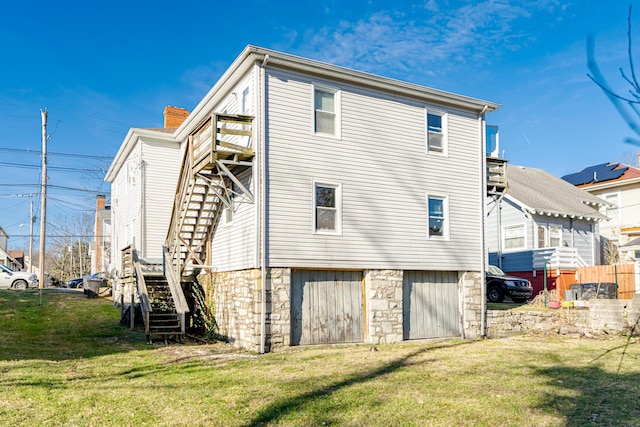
<point>253,55</point>
<point>130,141</point>
<point>609,184</point>
<point>545,212</point>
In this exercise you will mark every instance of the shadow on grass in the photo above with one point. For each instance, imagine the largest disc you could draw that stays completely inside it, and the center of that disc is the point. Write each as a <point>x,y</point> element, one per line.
<point>592,396</point>
<point>274,412</point>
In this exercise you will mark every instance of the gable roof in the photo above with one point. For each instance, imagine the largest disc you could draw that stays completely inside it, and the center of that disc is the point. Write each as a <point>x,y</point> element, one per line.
<point>604,175</point>
<point>265,58</point>
<point>541,193</point>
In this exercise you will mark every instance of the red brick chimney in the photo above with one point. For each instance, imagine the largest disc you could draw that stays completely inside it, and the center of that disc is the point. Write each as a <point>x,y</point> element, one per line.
<point>174,116</point>
<point>100,202</point>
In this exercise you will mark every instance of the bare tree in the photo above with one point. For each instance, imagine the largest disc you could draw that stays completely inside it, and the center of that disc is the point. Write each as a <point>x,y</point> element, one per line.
<point>68,254</point>
<point>627,105</point>
<point>629,158</point>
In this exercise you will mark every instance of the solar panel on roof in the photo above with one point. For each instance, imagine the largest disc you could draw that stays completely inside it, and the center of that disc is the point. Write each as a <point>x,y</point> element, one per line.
<point>597,173</point>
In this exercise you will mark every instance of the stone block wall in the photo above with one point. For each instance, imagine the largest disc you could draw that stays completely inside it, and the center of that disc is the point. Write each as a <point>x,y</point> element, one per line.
<point>237,301</point>
<point>384,306</point>
<point>471,304</point>
<point>279,307</point>
<point>238,311</point>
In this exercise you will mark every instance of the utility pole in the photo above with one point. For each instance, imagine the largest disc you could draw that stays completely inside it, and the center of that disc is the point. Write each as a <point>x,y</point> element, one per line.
<point>43,203</point>
<point>31,236</point>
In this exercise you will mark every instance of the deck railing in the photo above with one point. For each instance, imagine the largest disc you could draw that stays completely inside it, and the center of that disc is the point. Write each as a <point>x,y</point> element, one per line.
<point>557,258</point>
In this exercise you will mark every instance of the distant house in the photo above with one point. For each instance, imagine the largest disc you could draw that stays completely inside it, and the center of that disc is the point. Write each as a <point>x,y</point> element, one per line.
<point>619,185</point>
<point>19,257</point>
<point>542,222</point>
<point>5,256</point>
<point>328,204</point>
<point>143,177</point>
<point>100,250</point>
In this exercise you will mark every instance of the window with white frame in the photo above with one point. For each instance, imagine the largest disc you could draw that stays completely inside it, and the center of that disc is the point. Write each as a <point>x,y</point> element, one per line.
<point>555,236</point>
<point>325,103</point>
<point>326,208</point>
<point>245,102</point>
<point>513,237</point>
<point>612,211</point>
<point>549,236</point>
<point>437,207</point>
<point>436,138</point>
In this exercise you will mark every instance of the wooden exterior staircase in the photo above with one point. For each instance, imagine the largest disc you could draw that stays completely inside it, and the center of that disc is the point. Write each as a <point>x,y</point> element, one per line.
<point>218,149</point>
<point>158,294</point>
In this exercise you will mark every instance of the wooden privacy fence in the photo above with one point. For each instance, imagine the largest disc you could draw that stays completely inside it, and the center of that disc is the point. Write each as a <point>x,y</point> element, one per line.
<point>622,274</point>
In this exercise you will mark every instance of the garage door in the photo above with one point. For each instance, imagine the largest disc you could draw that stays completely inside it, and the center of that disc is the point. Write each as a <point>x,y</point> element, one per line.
<point>326,307</point>
<point>430,304</point>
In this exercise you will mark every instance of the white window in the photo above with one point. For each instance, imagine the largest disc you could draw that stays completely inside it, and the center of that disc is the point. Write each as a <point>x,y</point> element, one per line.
<point>555,236</point>
<point>612,211</point>
<point>326,208</point>
<point>325,104</point>
<point>438,213</point>
<point>246,102</point>
<point>549,236</point>
<point>436,132</point>
<point>513,237</point>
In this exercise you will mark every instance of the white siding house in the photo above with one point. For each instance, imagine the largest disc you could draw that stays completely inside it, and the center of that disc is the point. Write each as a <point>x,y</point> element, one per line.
<point>143,179</point>
<point>363,215</point>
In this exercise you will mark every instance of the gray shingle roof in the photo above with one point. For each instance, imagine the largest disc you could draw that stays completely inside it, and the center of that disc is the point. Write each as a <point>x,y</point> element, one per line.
<point>545,194</point>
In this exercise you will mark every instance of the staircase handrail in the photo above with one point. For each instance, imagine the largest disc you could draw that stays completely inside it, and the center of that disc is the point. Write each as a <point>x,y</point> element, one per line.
<point>174,286</point>
<point>141,288</point>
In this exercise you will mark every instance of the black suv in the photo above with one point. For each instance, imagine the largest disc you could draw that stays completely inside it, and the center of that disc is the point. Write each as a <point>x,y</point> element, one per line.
<point>499,285</point>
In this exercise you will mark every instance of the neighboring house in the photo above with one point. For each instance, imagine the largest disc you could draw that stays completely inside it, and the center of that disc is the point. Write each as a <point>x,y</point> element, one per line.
<point>100,251</point>
<point>350,211</point>
<point>542,222</point>
<point>143,177</point>
<point>619,185</point>
<point>5,256</point>
<point>19,257</point>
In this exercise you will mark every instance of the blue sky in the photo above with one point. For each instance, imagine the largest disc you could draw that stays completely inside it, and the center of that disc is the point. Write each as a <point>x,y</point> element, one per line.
<point>103,67</point>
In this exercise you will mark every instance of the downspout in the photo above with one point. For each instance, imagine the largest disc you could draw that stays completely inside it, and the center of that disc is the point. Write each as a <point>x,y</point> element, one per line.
<point>483,194</point>
<point>263,202</point>
<point>143,210</point>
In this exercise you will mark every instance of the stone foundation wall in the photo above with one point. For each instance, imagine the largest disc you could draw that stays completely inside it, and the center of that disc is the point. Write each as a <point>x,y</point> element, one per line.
<point>279,307</point>
<point>600,316</point>
<point>471,304</point>
<point>238,312</point>
<point>237,297</point>
<point>384,306</point>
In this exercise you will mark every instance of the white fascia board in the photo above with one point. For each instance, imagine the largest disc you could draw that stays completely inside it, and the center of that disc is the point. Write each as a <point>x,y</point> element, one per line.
<point>218,93</point>
<point>253,55</point>
<point>596,216</point>
<point>130,141</point>
<point>381,83</point>
<point>610,185</point>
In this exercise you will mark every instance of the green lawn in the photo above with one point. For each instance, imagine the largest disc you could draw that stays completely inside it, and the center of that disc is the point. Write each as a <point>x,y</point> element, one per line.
<point>67,362</point>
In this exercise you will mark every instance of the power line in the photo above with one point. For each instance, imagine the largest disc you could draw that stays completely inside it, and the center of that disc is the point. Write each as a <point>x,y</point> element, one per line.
<point>60,168</point>
<point>38,152</point>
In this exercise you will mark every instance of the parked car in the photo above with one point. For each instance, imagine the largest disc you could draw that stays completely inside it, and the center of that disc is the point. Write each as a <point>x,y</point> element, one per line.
<point>78,282</point>
<point>500,284</point>
<point>75,283</point>
<point>16,279</point>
